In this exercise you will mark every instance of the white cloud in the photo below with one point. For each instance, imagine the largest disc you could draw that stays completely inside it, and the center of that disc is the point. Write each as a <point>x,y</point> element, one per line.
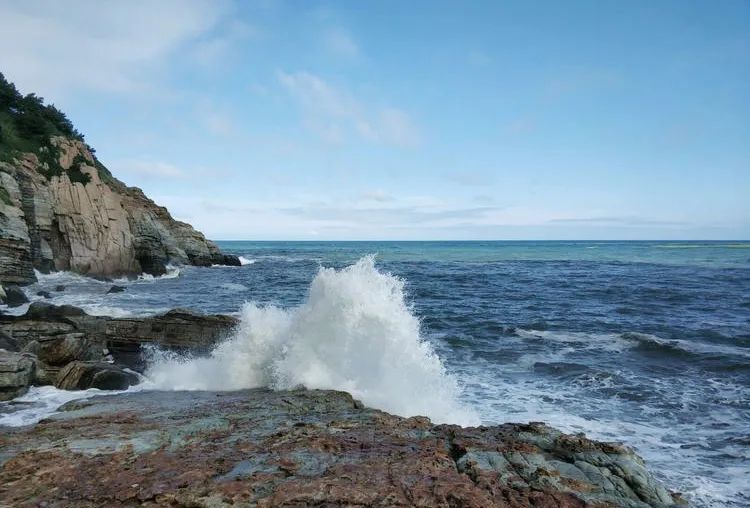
<point>334,114</point>
<point>341,43</point>
<point>58,47</point>
<point>217,47</point>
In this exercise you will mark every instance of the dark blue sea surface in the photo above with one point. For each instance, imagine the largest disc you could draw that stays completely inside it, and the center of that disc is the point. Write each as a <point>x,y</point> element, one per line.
<point>642,342</point>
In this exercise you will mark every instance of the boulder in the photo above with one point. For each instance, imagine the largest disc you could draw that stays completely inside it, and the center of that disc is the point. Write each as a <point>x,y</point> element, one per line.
<point>230,260</point>
<point>8,343</point>
<point>43,311</point>
<point>45,375</point>
<point>60,334</point>
<point>179,330</point>
<point>16,373</point>
<point>59,350</point>
<point>15,297</point>
<point>85,375</point>
<point>116,289</point>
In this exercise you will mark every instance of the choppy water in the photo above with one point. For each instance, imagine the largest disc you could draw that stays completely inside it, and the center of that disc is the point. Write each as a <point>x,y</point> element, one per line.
<point>642,342</point>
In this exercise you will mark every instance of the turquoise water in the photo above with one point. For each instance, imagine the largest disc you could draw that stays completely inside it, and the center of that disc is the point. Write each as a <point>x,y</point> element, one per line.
<point>714,253</point>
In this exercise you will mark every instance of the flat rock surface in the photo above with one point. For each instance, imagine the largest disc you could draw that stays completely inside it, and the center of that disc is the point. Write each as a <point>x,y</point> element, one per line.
<point>303,448</point>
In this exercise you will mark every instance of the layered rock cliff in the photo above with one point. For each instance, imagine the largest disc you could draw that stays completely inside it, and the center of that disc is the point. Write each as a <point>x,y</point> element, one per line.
<point>61,209</point>
<point>98,228</point>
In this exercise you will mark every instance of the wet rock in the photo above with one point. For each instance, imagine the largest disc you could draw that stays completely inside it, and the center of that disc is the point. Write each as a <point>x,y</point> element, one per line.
<point>45,294</point>
<point>67,333</point>
<point>62,349</point>
<point>15,297</point>
<point>305,448</point>
<point>85,375</point>
<point>60,288</point>
<point>116,289</point>
<point>230,260</point>
<point>8,343</point>
<point>16,373</point>
<point>44,311</point>
<point>178,330</point>
<point>45,375</point>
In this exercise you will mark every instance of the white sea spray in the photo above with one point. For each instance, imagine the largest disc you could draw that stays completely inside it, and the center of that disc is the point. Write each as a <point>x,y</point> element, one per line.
<point>354,332</point>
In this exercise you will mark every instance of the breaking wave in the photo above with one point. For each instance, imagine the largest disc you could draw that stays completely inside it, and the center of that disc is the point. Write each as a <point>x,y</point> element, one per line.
<point>354,332</point>
<point>172,273</point>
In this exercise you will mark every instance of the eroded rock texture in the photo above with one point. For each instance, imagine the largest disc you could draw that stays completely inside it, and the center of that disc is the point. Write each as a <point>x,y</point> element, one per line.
<point>303,448</point>
<point>101,228</point>
<point>16,373</point>
<point>55,337</point>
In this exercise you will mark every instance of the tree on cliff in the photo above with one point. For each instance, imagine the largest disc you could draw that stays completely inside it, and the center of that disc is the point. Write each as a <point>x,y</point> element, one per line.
<point>26,123</point>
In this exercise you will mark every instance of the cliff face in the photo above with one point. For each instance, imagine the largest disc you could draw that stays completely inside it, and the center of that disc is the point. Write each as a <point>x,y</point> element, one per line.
<point>85,221</point>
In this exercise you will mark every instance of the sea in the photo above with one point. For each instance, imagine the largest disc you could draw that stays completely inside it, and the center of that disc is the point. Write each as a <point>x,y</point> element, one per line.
<point>645,343</point>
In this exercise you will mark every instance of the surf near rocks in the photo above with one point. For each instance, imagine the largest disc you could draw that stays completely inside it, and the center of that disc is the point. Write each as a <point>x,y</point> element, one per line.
<point>39,345</point>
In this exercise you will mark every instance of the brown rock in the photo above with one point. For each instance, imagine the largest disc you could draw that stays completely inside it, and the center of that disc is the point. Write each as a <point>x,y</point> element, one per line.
<point>61,334</point>
<point>304,448</point>
<point>16,373</point>
<point>85,375</point>
<point>101,228</point>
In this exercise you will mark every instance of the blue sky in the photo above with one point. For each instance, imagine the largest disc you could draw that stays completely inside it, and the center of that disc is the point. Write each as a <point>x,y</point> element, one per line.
<point>408,120</point>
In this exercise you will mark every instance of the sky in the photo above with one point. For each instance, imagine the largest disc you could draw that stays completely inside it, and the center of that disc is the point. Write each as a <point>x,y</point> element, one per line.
<point>392,120</point>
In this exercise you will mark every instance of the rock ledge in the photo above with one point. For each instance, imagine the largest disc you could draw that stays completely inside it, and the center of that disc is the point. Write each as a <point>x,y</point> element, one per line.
<point>304,448</point>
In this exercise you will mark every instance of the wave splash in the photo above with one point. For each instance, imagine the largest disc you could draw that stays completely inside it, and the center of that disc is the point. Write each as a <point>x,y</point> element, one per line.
<point>355,333</point>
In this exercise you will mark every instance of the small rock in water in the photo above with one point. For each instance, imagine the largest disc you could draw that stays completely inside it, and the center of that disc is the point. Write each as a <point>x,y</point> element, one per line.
<point>230,260</point>
<point>116,289</point>
<point>45,294</point>
<point>59,288</point>
<point>15,296</point>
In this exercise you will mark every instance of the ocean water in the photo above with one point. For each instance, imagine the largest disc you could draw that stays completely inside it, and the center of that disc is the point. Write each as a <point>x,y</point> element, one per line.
<point>647,343</point>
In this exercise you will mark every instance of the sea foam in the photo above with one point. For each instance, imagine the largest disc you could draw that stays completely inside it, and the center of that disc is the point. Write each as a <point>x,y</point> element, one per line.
<point>355,332</point>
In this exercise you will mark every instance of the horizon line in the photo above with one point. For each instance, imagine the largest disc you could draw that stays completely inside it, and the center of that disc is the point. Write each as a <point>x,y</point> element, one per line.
<point>492,240</point>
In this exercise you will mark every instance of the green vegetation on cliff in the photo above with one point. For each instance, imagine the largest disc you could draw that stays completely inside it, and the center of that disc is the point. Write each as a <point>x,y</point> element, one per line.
<point>27,125</point>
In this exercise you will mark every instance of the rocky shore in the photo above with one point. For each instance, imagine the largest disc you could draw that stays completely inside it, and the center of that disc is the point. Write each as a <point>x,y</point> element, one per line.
<point>265,448</point>
<point>304,448</point>
<point>65,347</point>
